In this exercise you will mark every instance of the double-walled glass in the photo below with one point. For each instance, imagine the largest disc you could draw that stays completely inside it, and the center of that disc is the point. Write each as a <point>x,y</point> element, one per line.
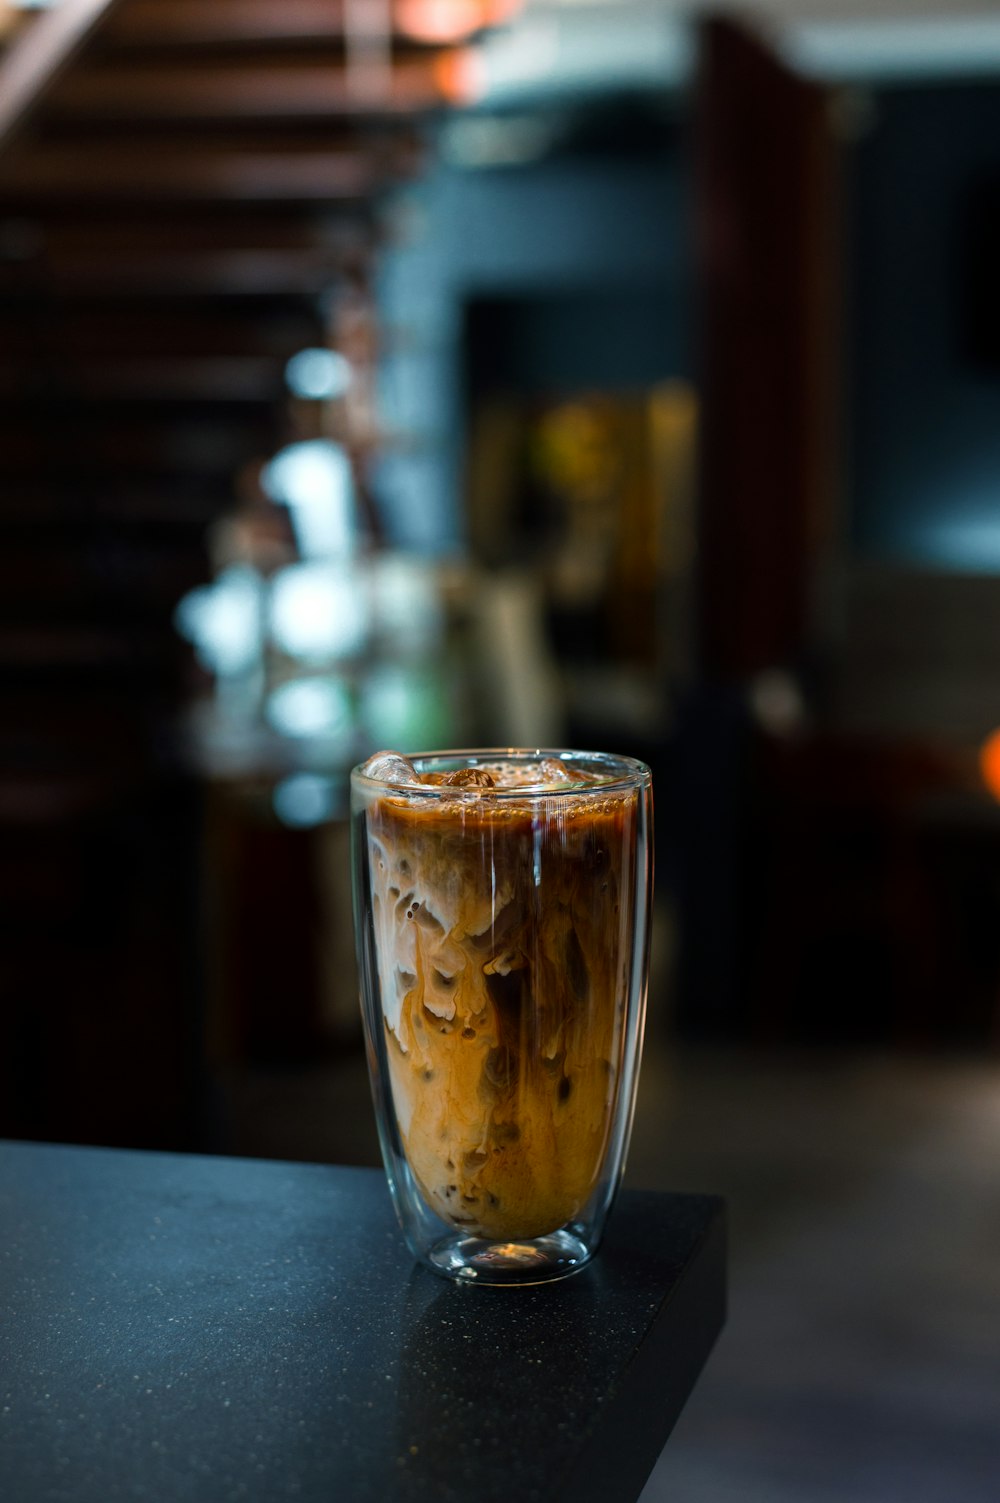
<point>502,911</point>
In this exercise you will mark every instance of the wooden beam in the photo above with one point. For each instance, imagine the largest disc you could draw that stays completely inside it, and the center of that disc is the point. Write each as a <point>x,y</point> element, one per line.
<point>65,241</point>
<point>109,332</point>
<point>765,198</point>
<point>225,273</point>
<point>254,379</point>
<point>158,503</point>
<point>39,57</point>
<point>134,238</point>
<point>126,448</point>
<point>122,252</point>
<point>139,174</point>
<point>200,23</point>
<point>303,89</point>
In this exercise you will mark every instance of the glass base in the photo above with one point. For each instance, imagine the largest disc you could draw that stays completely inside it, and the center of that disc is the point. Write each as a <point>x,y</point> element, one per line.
<point>533,1260</point>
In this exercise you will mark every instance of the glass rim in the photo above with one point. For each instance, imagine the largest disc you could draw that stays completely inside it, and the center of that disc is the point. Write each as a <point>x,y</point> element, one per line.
<point>625,773</point>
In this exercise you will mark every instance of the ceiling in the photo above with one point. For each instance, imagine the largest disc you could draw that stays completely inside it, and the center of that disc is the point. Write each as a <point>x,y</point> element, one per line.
<point>560,46</point>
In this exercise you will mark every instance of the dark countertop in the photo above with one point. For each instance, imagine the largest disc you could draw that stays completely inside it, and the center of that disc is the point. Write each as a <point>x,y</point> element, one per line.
<point>206,1329</point>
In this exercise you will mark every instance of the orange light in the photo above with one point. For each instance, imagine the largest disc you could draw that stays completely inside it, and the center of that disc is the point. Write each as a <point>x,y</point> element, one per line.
<point>989,763</point>
<point>458,76</point>
<point>438,20</point>
<point>450,20</point>
<point>499,11</point>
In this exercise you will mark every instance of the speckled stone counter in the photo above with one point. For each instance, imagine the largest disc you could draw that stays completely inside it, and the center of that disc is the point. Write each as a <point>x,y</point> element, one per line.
<point>204,1329</point>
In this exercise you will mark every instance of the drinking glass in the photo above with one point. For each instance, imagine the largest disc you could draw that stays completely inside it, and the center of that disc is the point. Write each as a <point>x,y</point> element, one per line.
<point>501,902</point>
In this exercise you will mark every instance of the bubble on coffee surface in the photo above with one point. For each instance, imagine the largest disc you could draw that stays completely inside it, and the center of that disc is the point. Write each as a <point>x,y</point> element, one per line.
<point>525,774</point>
<point>535,774</point>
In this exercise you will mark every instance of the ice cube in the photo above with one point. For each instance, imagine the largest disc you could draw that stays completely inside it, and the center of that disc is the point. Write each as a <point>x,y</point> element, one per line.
<point>553,773</point>
<point>391,767</point>
<point>469,777</point>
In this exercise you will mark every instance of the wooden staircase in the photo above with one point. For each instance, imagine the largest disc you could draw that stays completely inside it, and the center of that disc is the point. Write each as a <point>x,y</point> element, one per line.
<point>183,185</point>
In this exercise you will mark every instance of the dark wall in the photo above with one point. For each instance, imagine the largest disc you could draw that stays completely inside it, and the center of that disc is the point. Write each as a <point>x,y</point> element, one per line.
<point>924,387</point>
<point>562,343</point>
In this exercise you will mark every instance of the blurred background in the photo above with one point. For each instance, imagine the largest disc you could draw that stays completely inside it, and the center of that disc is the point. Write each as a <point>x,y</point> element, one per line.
<point>621,374</point>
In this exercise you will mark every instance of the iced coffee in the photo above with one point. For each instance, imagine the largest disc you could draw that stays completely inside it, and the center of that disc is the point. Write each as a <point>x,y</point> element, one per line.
<point>505,940</point>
